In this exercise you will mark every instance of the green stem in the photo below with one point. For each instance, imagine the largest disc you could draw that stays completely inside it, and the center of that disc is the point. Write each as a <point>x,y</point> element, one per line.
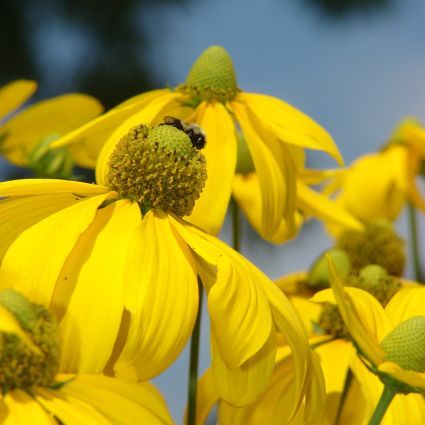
<point>386,397</point>
<point>194,357</point>
<point>414,241</point>
<point>236,226</point>
<point>347,384</point>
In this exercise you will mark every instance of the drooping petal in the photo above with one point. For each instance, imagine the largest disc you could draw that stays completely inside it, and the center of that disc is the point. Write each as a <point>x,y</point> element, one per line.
<point>90,137</point>
<point>9,324</point>
<point>289,124</point>
<point>406,303</point>
<point>119,401</point>
<point>240,315</point>
<point>55,116</point>
<point>364,317</point>
<point>246,192</point>
<point>220,153</point>
<point>121,127</point>
<point>35,259</point>
<point>14,94</point>
<point>232,318</point>
<point>22,409</point>
<point>161,295</point>
<point>275,170</point>
<point>240,386</point>
<point>325,209</point>
<point>90,288</point>
<point>410,377</point>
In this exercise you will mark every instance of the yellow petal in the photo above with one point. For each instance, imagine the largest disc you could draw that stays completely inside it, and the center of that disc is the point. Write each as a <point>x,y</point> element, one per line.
<point>275,170</point>
<point>90,288</point>
<point>55,116</point>
<point>363,316</point>
<point>161,295</point>
<point>308,311</point>
<point>220,153</point>
<point>408,302</point>
<point>246,192</point>
<point>130,119</point>
<point>289,284</point>
<point>325,209</point>
<point>240,315</point>
<point>28,187</point>
<point>119,401</point>
<point>9,324</point>
<point>14,94</point>
<point>312,176</point>
<point>69,409</point>
<point>35,259</point>
<point>22,409</point>
<point>290,125</point>
<point>240,386</point>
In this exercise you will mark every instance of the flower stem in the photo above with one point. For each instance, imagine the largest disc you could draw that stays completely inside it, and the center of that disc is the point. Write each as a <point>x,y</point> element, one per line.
<point>236,226</point>
<point>347,384</point>
<point>193,363</point>
<point>386,397</point>
<point>414,242</point>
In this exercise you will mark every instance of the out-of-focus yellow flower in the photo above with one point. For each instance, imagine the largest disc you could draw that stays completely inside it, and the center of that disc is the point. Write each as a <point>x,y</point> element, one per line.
<point>32,392</point>
<point>390,340</point>
<point>275,132</point>
<point>119,267</point>
<point>38,125</point>
<point>378,185</point>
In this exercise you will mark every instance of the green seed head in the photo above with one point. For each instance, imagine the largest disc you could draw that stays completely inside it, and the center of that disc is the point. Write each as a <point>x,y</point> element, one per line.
<point>405,344</point>
<point>375,280</point>
<point>318,275</point>
<point>159,168</point>
<point>20,367</point>
<point>212,77</point>
<point>377,244</point>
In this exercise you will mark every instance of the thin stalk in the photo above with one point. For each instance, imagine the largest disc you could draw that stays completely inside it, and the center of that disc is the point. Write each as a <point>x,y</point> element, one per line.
<point>414,242</point>
<point>193,362</point>
<point>386,397</point>
<point>347,384</point>
<point>236,226</point>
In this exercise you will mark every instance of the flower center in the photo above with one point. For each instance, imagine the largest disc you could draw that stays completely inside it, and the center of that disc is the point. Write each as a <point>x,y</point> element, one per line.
<point>405,344</point>
<point>212,77</point>
<point>377,244</point>
<point>20,367</point>
<point>159,167</point>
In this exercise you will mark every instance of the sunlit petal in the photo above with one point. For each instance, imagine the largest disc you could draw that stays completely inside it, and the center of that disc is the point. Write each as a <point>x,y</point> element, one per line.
<point>14,94</point>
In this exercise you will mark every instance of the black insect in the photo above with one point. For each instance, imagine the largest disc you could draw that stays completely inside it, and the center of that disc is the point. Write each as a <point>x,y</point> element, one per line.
<point>195,133</point>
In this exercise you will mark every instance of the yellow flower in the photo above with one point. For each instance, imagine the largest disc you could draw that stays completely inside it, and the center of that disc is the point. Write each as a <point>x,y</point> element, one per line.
<point>276,134</point>
<point>39,124</point>
<point>390,340</point>
<point>32,392</point>
<point>378,185</point>
<point>122,275</point>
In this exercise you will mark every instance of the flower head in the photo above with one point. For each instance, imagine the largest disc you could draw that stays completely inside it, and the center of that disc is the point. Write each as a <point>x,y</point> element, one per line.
<point>32,390</point>
<point>276,135</point>
<point>26,137</point>
<point>119,267</point>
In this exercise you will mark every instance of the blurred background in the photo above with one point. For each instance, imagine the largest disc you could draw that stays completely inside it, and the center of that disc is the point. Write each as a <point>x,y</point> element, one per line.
<point>355,66</point>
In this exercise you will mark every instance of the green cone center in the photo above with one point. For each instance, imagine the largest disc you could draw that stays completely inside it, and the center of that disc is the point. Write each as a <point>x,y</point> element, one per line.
<point>405,344</point>
<point>159,168</point>
<point>212,77</point>
<point>20,367</point>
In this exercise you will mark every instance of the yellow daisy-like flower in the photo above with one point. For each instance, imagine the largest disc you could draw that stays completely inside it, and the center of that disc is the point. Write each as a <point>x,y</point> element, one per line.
<point>25,138</point>
<point>275,132</point>
<point>119,267</point>
<point>378,185</point>
<point>32,392</point>
<point>390,340</point>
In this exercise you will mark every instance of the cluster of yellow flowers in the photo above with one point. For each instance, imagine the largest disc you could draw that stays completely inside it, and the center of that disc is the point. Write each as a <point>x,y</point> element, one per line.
<point>101,284</point>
